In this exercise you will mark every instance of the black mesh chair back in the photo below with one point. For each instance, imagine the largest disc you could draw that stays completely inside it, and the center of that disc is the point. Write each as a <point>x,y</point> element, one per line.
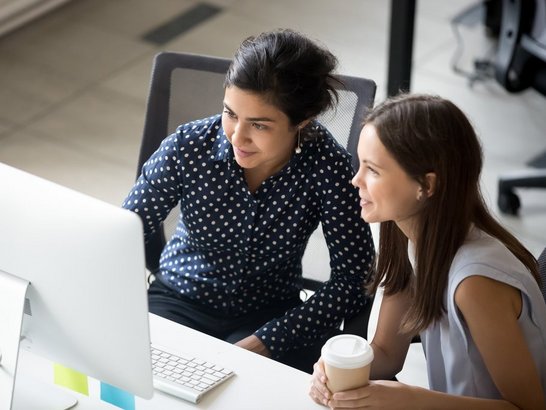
<point>186,87</point>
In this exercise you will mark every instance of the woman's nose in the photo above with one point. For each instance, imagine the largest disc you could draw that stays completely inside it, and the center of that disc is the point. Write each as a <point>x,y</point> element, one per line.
<point>238,137</point>
<point>358,181</point>
<point>354,180</point>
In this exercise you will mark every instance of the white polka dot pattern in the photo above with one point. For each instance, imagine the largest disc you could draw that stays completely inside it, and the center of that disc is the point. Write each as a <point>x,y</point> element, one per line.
<point>238,252</point>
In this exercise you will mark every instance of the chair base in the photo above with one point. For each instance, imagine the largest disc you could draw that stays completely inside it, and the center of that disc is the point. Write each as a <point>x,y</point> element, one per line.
<point>507,201</point>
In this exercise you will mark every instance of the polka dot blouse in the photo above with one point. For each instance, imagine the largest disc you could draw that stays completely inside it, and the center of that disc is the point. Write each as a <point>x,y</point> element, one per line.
<point>239,252</point>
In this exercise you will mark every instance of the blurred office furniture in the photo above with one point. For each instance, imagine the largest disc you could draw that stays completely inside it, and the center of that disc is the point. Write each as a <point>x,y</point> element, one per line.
<point>186,87</point>
<point>520,64</point>
<point>482,13</point>
<point>402,24</point>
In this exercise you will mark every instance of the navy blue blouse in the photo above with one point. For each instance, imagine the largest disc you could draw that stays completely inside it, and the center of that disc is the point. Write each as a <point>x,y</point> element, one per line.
<point>239,252</point>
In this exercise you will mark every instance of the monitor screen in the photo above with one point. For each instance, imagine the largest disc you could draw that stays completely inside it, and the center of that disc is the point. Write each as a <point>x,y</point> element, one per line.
<point>85,305</point>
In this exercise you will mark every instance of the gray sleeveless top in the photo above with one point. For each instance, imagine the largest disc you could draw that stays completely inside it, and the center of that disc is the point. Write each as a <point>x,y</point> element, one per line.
<point>454,363</point>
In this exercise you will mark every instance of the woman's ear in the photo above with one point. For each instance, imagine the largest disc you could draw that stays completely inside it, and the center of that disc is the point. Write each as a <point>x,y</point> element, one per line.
<point>430,184</point>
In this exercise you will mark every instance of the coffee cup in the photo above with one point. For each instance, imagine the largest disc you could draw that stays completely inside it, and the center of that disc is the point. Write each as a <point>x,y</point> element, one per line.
<point>347,361</point>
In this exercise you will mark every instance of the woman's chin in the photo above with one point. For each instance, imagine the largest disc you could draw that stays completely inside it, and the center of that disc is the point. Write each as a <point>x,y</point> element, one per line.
<point>368,217</point>
<point>243,163</point>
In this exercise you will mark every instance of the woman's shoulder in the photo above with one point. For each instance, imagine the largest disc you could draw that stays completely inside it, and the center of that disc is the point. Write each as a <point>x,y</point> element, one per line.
<point>480,246</point>
<point>326,146</point>
<point>201,128</point>
<point>195,137</point>
<point>484,255</point>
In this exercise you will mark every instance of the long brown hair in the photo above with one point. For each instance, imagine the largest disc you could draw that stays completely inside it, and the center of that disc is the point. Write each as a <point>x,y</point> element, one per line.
<point>426,134</point>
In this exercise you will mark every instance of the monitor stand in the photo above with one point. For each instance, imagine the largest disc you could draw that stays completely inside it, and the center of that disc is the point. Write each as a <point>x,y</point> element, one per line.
<point>32,394</point>
<point>16,391</point>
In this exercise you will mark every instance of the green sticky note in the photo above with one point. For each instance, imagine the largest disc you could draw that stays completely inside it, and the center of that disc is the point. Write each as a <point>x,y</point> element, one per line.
<point>63,376</point>
<point>117,397</point>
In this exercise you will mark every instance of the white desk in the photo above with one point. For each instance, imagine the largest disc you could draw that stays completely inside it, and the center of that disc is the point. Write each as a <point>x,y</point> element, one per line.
<point>259,383</point>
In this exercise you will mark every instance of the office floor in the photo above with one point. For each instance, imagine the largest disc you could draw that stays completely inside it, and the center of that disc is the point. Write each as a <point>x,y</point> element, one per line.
<point>73,84</point>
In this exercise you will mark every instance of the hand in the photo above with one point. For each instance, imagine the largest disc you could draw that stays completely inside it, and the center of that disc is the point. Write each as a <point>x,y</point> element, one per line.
<point>254,344</point>
<point>319,391</point>
<point>379,394</point>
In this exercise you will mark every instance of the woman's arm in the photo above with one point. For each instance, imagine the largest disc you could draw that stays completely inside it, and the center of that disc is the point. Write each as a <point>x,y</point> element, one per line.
<point>491,310</point>
<point>390,346</point>
<point>349,241</point>
<point>157,189</point>
<point>351,249</point>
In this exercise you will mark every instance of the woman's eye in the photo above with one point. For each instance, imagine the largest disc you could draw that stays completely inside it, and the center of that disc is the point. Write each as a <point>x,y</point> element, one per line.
<point>373,171</point>
<point>259,126</point>
<point>229,114</point>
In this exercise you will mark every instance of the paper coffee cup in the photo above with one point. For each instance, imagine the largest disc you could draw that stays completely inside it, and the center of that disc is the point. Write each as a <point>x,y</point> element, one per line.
<point>347,361</point>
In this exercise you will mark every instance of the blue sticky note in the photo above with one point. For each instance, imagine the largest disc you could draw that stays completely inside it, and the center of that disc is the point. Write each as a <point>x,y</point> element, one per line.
<point>117,397</point>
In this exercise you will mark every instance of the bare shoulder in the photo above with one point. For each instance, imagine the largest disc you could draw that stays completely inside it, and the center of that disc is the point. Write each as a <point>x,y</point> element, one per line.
<point>486,294</point>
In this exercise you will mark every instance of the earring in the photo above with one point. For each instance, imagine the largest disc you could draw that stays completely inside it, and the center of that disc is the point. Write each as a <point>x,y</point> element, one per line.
<point>420,195</point>
<point>298,144</point>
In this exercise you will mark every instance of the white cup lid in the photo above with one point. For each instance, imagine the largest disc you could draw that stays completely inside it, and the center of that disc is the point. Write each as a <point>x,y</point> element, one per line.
<point>347,351</point>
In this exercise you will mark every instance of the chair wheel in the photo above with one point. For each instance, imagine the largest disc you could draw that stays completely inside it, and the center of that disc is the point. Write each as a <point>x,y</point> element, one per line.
<point>508,203</point>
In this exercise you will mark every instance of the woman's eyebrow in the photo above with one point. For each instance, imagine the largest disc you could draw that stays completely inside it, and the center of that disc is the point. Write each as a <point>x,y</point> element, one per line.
<point>367,161</point>
<point>252,119</point>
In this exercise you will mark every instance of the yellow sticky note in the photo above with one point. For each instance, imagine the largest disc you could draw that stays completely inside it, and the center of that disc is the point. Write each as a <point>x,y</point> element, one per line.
<point>66,377</point>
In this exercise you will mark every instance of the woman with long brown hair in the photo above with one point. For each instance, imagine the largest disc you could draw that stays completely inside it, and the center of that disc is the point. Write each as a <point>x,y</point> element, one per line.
<point>450,271</point>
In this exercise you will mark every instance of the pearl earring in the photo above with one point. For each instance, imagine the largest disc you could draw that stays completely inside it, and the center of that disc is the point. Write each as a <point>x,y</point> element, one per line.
<point>298,144</point>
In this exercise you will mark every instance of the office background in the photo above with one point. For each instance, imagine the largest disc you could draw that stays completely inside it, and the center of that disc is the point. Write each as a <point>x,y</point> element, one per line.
<point>73,83</point>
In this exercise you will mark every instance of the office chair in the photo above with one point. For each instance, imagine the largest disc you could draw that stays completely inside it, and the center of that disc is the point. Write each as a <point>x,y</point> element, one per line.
<point>186,87</point>
<point>521,63</point>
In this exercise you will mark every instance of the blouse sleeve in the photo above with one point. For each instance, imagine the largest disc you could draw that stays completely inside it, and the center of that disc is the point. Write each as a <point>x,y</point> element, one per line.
<point>158,188</point>
<point>351,250</point>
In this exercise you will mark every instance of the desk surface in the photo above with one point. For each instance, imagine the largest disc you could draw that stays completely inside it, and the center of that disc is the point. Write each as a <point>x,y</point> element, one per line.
<point>259,382</point>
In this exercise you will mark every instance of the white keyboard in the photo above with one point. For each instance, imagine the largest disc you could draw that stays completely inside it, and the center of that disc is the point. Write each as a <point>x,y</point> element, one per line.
<point>185,376</point>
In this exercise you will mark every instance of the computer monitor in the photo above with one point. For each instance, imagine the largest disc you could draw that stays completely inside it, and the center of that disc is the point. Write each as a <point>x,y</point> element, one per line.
<point>85,305</point>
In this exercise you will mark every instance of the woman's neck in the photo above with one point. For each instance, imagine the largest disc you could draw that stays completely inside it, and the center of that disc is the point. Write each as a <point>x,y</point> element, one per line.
<point>408,228</point>
<point>256,176</point>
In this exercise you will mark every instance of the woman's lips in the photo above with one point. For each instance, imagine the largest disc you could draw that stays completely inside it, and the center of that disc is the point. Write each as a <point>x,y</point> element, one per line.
<point>241,153</point>
<point>364,202</point>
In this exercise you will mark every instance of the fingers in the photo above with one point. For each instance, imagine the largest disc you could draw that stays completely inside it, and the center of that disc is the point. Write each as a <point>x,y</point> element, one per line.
<point>318,371</point>
<point>317,397</point>
<point>319,391</point>
<point>355,394</point>
<point>351,399</point>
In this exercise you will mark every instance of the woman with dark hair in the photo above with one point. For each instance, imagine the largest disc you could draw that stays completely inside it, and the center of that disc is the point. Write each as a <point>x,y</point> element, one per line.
<point>450,271</point>
<point>253,184</point>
